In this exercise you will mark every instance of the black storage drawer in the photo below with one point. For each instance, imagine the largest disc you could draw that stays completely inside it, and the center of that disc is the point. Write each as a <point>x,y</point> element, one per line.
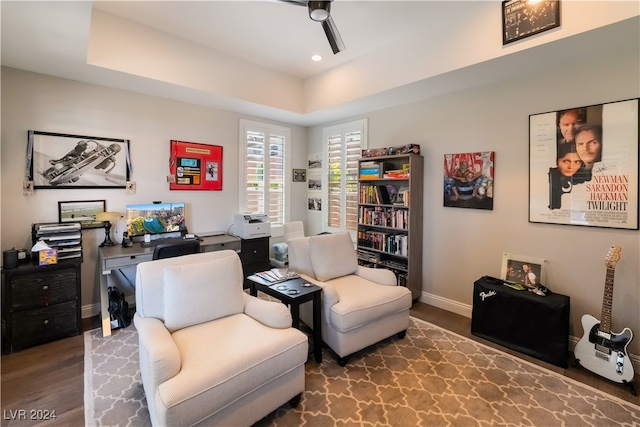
<point>522,321</point>
<point>254,250</point>
<point>254,255</point>
<point>44,324</point>
<point>38,290</point>
<point>40,304</point>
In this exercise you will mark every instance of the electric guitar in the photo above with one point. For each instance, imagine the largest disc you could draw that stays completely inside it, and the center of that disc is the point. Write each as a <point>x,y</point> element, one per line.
<point>600,350</point>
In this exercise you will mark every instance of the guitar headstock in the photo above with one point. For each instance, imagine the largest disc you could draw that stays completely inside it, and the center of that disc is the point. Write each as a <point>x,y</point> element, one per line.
<point>613,256</point>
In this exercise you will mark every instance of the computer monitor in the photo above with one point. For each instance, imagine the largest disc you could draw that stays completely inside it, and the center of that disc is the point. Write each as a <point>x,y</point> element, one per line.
<point>155,218</point>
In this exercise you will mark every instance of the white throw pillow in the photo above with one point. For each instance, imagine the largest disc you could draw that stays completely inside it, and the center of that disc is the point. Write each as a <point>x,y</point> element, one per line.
<point>198,293</point>
<point>299,257</point>
<point>333,255</point>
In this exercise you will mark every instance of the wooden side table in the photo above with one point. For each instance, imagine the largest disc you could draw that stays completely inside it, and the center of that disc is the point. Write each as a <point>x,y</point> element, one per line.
<point>293,293</point>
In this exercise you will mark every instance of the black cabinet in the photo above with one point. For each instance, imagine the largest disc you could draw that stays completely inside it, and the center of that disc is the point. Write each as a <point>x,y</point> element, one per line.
<point>522,321</point>
<point>254,254</point>
<point>40,304</point>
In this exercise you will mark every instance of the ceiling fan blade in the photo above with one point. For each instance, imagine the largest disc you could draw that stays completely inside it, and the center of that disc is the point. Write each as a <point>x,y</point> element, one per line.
<point>330,29</point>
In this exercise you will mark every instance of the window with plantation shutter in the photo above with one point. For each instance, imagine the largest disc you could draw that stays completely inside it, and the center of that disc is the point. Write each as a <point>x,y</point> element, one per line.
<point>343,146</point>
<point>263,159</point>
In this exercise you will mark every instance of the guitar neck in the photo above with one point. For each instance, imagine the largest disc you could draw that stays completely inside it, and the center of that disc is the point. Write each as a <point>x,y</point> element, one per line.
<point>607,301</point>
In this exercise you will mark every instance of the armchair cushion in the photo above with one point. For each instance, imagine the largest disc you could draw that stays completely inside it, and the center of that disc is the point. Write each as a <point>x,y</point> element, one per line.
<point>189,297</point>
<point>269,313</point>
<point>362,302</point>
<point>333,255</point>
<point>299,258</point>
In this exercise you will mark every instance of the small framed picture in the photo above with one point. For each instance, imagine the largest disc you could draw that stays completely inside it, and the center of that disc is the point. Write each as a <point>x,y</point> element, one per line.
<point>524,18</point>
<point>523,270</point>
<point>84,212</point>
<point>299,175</point>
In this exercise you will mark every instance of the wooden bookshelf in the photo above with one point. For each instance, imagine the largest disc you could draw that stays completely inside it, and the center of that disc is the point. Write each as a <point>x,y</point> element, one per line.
<point>390,216</point>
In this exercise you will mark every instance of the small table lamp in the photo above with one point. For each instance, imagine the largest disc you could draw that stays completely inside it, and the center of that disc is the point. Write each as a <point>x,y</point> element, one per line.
<point>106,218</point>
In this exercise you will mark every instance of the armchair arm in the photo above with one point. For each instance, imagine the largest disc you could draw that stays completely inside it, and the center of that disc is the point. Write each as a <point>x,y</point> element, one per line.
<point>382,276</point>
<point>269,313</point>
<point>330,296</point>
<point>159,356</point>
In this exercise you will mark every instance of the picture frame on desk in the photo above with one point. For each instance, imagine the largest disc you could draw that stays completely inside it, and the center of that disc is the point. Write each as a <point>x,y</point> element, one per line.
<point>56,160</point>
<point>84,212</point>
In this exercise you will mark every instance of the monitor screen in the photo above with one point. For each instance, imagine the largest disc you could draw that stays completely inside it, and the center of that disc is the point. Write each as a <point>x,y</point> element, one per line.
<point>155,218</point>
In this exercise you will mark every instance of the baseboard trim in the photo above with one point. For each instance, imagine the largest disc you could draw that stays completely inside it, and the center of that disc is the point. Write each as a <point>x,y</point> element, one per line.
<point>466,309</point>
<point>446,304</point>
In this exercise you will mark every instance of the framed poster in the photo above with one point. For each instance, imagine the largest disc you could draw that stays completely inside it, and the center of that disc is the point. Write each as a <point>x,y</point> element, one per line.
<point>583,166</point>
<point>84,212</point>
<point>524,18</point>
<point>58,160</point>
<point>468,180</point>
<point>195,166</point>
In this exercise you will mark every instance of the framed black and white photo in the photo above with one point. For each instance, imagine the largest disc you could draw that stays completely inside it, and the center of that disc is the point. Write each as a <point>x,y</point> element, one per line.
<point>524,18</point>
<point>75,161</point>
<point>84,212</point>
<point>299,175</point>
<point>583,166</point>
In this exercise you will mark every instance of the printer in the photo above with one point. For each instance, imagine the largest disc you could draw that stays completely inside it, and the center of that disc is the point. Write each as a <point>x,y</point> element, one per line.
<point>251,225</point>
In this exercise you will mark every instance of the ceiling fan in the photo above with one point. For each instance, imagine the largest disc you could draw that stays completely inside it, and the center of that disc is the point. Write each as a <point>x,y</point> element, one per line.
<point>319,11</point>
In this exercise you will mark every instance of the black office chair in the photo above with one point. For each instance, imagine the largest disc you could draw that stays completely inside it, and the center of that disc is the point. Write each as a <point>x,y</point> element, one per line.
<point>176,248</point>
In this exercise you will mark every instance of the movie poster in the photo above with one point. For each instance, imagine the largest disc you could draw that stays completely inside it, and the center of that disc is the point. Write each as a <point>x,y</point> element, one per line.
<point>583,166</point>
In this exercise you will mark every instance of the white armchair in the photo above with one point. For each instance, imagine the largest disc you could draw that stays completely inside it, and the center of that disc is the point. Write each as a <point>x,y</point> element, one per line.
<point>210,354</point>
<point>360,306</point>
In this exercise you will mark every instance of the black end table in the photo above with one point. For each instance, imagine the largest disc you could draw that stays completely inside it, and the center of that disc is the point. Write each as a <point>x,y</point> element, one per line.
<point>293,292</point>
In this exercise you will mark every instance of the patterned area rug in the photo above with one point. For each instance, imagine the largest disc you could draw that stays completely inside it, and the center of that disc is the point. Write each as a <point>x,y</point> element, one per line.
<point>432,377</point>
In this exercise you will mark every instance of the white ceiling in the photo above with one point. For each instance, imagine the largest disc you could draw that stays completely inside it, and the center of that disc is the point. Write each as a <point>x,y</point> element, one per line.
<point>398,51</point>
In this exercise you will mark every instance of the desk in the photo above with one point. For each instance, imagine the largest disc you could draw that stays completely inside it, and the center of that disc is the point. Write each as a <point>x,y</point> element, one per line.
<point>117,257</point>
<point>304,294</point>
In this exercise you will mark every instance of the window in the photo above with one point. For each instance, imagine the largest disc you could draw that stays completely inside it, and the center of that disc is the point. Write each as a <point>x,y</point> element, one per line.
<point>343,146</point>
<point>263,160</point>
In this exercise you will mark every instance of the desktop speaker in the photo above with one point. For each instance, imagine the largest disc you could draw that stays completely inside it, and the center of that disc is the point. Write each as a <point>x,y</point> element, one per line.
<point>10,258</point>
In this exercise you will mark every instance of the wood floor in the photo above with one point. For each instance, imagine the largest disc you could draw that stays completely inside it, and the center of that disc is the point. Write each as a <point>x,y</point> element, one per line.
<point>49,377</point>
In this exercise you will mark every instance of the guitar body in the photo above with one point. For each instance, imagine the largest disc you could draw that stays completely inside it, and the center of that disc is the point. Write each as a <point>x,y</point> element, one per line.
<point>605,353</point>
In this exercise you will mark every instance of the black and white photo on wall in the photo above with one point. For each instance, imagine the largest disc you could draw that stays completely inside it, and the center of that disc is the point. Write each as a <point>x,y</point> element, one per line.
<point>525,18</point>
<point>583,165</point>
<point>58,160</point>
<point>85,212</point>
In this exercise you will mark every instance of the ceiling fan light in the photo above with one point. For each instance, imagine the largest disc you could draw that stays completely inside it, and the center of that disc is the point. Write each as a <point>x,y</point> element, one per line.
<point>319,10</point>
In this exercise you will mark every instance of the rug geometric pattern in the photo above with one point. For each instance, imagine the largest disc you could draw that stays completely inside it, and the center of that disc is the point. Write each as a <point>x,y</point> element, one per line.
<point>432,377</point>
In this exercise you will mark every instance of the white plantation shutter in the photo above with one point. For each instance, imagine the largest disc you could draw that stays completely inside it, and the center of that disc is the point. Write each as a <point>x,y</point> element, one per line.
<point>262,171</point>
<point>344,146</point>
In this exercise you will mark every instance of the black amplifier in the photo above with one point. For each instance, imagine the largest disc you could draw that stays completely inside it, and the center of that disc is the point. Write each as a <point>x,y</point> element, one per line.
<point>521,320</point>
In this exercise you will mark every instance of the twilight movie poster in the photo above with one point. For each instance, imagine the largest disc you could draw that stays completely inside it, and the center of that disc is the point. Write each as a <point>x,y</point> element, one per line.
<point>583,166</point>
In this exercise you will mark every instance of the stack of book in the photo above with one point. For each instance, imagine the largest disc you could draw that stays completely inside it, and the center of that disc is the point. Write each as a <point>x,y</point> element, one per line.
<point>370,170</point>
<point>277,275</point>
<point>66,238</point>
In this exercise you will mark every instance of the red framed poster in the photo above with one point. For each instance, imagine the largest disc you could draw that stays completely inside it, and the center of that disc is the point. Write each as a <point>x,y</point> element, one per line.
<point>195,166</point>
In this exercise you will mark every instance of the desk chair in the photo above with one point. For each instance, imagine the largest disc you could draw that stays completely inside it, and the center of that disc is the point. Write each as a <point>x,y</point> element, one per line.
<point>176,248</point>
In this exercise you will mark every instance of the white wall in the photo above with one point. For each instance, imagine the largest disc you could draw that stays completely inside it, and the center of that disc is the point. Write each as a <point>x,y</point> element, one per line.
<point>461,245</point>
<point>37,102</point>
